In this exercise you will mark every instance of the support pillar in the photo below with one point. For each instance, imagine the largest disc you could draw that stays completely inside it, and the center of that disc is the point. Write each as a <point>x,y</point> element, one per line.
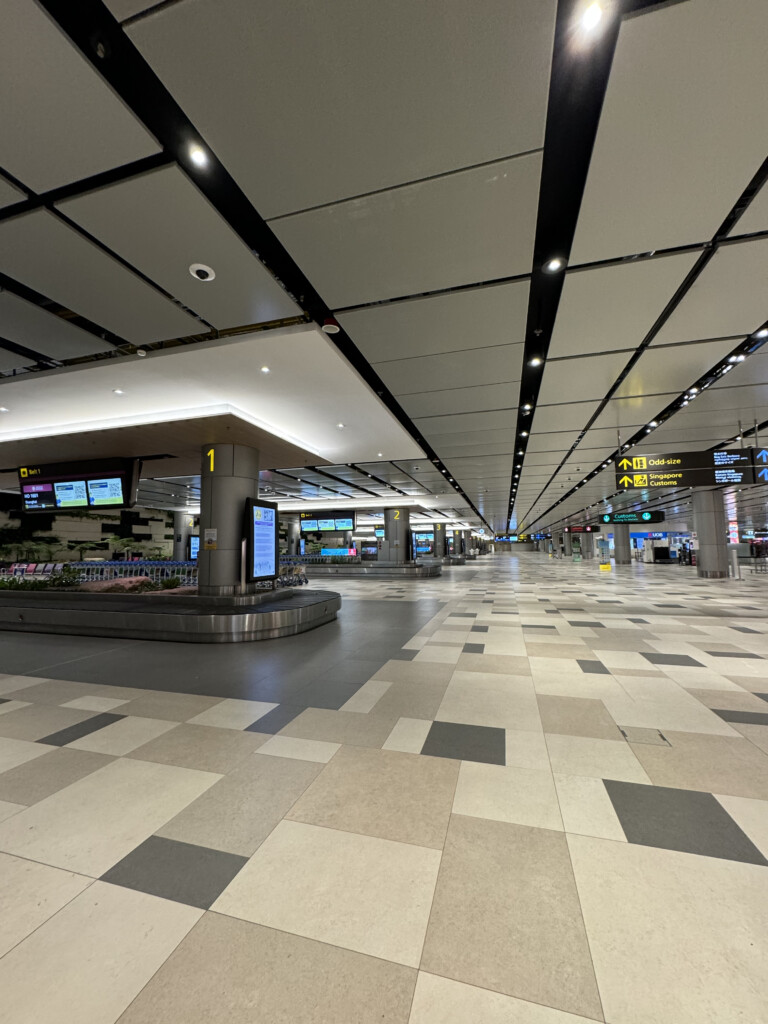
<point>440,540</point>
<point>567,545</point>
<point>396,546</point>
<point>293,536</point>
<point>229,475</point>
<point>622,549</point>
<point>348,539</point>
<point>587,546</point>
<point>182,528</point>
<point>710,526</point>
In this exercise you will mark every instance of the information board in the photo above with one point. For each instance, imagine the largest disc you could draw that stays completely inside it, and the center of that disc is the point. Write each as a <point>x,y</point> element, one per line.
<point>194,547</point>
<point>688,469</point>
<point>102,483</point>
<point>581,529</point>
<point>331,521</point>
<point>633,517</point>
<point>261,540</point>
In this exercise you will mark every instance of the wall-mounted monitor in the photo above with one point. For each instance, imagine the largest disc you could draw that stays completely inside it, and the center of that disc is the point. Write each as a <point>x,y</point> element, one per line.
<point>194,547</point>
<point>62,486</point>
<point>330,521</point>
<point>379,533</point>
<point>347,523</point>
<point>326,525</point>
<point>309,525</point>
<point>261,540</point>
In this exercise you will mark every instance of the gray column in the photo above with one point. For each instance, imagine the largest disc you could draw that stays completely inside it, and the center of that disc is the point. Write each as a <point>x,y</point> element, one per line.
<point>229,475</point>
<point>710,525</point>
<point>182,528</point>
<point>567,544</point>
<point>587,547</point>
<point>396,546</point>
<point>622,550</point>
<point>439,540</point>
<point>293,535</point>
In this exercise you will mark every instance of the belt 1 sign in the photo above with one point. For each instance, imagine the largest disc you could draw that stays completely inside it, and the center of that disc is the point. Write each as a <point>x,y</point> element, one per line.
<point>691,469</point>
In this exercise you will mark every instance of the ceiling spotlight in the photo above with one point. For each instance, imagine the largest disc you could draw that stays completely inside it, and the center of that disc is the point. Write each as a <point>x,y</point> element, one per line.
<point>527,408</point>
<point>694,391</point>
<point>552,266</point>
<point>202,272</point>
<point>653,423</point>
<point>117,391</point>
<point>762,333</point>
<point>340,426</point>
<point>4,408</point>
<point>536,361</point>
<point>198,156</point>
<point>265,369</point>
<point>141,352</point>
<point>524,433</point>
<point>379,455</point>
<point>330,326</point>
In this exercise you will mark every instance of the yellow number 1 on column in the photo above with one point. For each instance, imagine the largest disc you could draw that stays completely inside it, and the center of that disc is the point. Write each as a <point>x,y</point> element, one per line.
<point>210,456</point>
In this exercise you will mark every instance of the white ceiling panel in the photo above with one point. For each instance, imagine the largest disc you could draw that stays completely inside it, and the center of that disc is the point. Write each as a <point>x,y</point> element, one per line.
<point>587,322</point>
<point>674,367</point>
<point>729,297</point>
<point>11,361</point>
<point>682,130</point>
<point>496,419</point>
<point>161,224</point>
<point>437,234</point>
<point>474,437</point>
<point>349,97</point>
<point>554,441</point>
<point>755,217</point>
<point>35,329</point>
<point>563,417</point>
<point>470,449</point>
<point>456,400</point>
<point>9,194</point>
<point>580,379</point>
<point>59,120</point>
<point>631,413</point>
<point>46,254</point>
<point>123,9</point>
<point>443,323</point>
<point>453,370</point>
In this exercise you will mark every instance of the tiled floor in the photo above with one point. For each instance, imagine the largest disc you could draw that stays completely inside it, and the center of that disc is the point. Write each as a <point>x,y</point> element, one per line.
<point>523,793</point>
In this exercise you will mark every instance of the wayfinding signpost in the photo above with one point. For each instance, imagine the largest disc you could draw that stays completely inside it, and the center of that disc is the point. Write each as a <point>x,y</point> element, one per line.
<point>692,469</point>
<point>633,517</point>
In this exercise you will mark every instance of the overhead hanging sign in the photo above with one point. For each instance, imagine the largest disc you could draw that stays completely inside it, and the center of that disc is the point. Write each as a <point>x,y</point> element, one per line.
<point>689,469</point>
<point>582,529</point>
<point>632,517</point>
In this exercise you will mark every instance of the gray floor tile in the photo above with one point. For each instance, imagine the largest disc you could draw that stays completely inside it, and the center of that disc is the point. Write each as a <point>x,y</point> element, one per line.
<point>593,667</point>
<point>276,719</point>
<point>744,717</point>
<point>80,729</point>
<point>35,780</point>
<point>466,742</point>
<point>176,871</point>
<point>671,659</point>
<point>680,819</point>
<point>732,654</point>
<point>473,648</point>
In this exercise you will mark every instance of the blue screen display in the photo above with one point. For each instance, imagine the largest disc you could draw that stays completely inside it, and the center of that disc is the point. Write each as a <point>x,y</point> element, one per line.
<point>326,524</point>
<point>194,547</point>
<point>378,533</point>
<point>344,524</point>
<point>309,525</point>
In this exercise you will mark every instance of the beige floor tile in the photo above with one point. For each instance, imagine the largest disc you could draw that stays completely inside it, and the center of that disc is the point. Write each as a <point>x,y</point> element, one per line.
<point>95,703</point>
<point>408,735</point>
<point>674,936</point>
<point>124,736</point>
<point>233,714</point>
<point>175,707</point>
<point>50,691</point>
<point>506,916</point>
<point>198,746</point>
<point>37,779</point>
<point>483,682</point>
<point>602,759</point>
<point>271,977</point>
<point>678,711</point>
<point>440,654</point>
<point>16,752</point>
<point>88,962</point>
<point>507,664</point>
<point>586,807</point>
<point>450,634</point>
<point>31,893</point>
<point>699,678</point>
<point>414,672</point>
<point>442,1001</point>
<point>384,793</point>
<point>7,809</point>
<point>751,684</point>
<point>16,684</point>
<point>569,652</point>
<point>366,697</point>
<point>616,660</point>
<point>757,734</point>
<point>302,750</point>
<point>13,705</point>
<point>751,816</point>
<point>369,730</point>
<point>238,813</point>
<point>38,721</point>
<point>729,700</point>
<point>361,893</point>
<point>95,822</point>
<point>411,700</point>
<point>522,796</point>
<point>526,750</point>
<point>716,764</point>
<point>472,705</point>
<point>546,667</point>
<point>577,716</point>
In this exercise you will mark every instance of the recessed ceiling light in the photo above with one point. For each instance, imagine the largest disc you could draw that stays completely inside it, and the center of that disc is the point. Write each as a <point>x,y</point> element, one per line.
<point>552,266</point>
<point>198,156</point>
<point>4,408</point>
<point>202,272</point>
<point>117,391</point>
<point>330,326</point>
<point>340,426</point>
<point>379,455</point>
<point>653,423</point>
<point>265,369</point>
<point>762,333</point>
<point>141,352</point>
<point>524,433</point>
<point>536,361</point>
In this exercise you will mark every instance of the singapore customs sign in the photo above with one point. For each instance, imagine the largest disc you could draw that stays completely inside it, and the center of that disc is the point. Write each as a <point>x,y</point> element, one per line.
<point>688,469</point>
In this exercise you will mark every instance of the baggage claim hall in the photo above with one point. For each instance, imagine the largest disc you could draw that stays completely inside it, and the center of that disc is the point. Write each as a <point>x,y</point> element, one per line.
<point>383,512</point>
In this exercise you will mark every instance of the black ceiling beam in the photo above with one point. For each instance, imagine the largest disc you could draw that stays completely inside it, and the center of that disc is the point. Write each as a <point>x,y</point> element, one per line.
<point>101,40</point>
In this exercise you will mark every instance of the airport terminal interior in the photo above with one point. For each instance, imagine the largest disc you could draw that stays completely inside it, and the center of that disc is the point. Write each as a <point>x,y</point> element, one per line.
<point>383,512</point>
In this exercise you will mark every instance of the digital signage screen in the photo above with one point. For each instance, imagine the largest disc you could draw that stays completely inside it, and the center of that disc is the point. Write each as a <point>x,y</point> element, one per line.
<point>194,547</point>
<point>309,525</point>
<point>261,540</point>
<point>344,524</point>
<point>378,533</point>
<point>326,525</point>
<point>102,483</point>
<point>330,521</point>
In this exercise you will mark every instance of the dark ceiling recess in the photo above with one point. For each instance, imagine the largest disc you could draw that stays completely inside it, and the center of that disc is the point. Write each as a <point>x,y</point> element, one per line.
<point>101,40</point>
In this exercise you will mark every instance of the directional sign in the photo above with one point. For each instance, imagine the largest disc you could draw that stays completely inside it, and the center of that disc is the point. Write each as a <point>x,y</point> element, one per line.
<point>632,517</point>
<point>581,529</point>
<point>690,469</point>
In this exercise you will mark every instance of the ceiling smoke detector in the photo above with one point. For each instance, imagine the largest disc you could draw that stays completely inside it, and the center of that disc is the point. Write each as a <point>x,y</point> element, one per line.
<point>201,272</point>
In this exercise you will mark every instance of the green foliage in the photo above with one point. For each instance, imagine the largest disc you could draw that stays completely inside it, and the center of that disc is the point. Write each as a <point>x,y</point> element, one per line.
<point>64,579</point>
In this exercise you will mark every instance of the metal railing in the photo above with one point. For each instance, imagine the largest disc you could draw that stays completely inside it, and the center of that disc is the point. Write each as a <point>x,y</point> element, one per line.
<point>90,572</point>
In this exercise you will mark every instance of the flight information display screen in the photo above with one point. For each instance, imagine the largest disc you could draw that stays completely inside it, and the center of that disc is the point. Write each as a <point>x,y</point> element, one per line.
<point>261,540</point>
<point>326,525</point>
<point>103,483</point>
<point>330,521</point>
